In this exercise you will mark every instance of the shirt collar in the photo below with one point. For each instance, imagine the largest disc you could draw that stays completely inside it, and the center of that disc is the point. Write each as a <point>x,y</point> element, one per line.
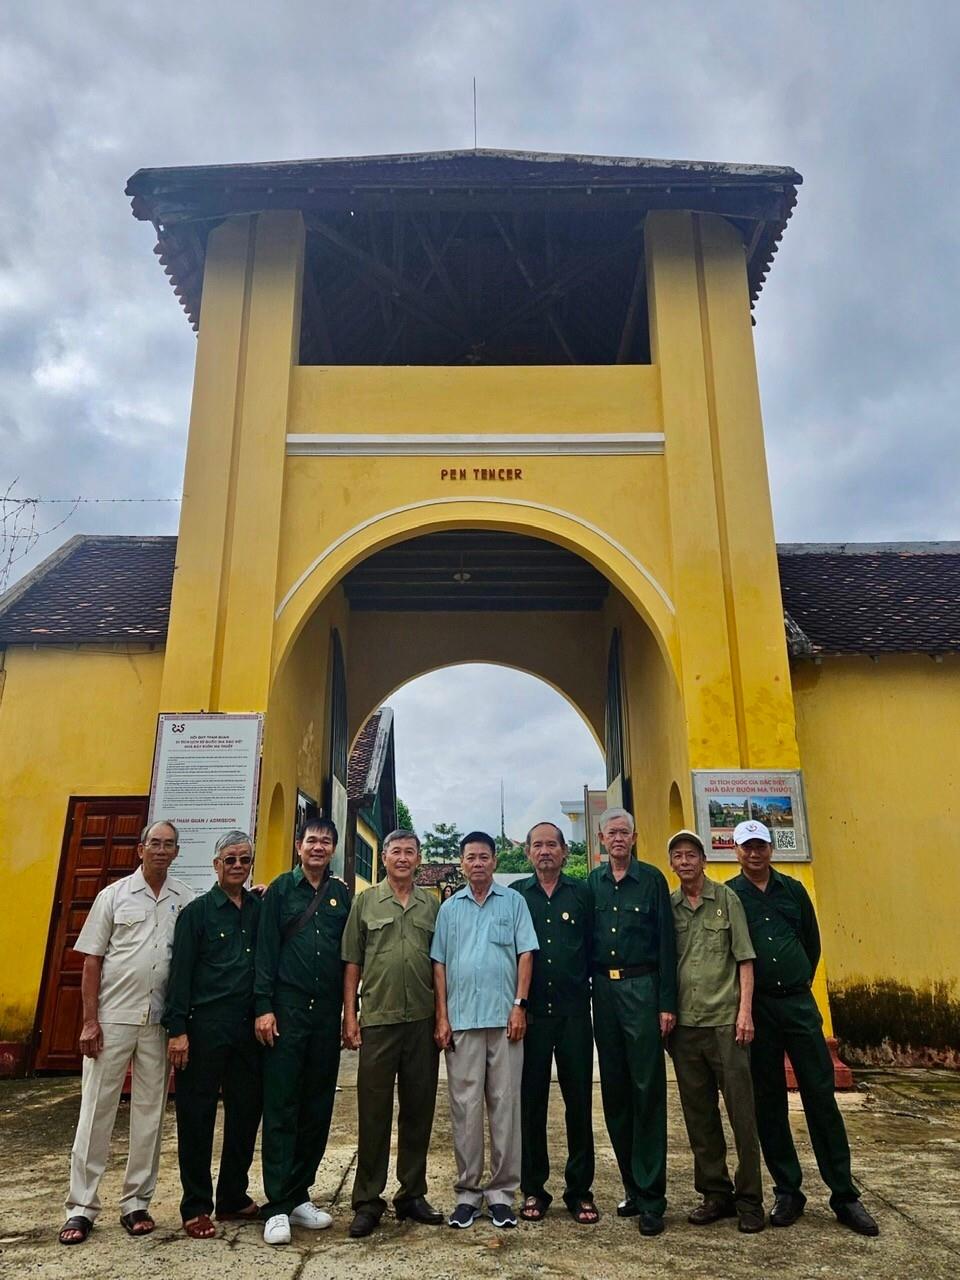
<point>534,883</point>
<point>298,875</point>
<point>384,892</point>
<point>467,892</point>
<point>221,899</point>
<point>633,870</point>
<point>138,884</point>
<point>708,893</point>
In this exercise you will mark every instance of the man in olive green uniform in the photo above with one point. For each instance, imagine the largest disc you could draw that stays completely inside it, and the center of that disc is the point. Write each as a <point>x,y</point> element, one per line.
<point>558,1026</point>
<point>634,1010</point>
<point>387,944</point>
<point>298,996</point>
<point>783,928</point>
<point>711,1041</point>
<point>209,1015</point>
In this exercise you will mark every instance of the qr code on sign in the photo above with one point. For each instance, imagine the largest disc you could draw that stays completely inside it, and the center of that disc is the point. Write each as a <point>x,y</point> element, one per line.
<point>785,838</point>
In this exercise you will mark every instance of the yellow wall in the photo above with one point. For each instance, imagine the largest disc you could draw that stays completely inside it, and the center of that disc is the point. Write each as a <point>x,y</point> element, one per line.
<point>73,722</point>
<point>879,745</point>
<point>373,840</point>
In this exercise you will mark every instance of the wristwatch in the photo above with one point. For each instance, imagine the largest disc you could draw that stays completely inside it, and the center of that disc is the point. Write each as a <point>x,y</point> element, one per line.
<point>520,1003</point>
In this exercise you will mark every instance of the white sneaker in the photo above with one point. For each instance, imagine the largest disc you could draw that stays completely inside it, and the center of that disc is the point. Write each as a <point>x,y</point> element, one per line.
<point>276,1230</point>
<point>308,1215</point>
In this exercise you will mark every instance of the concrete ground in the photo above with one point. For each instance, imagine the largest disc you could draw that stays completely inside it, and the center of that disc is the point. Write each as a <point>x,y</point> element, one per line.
<point>904,1128</point>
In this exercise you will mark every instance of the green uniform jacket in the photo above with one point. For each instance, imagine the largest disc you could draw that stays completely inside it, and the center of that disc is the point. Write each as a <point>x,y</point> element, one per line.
<point>214,949</point>
<point>633,925</point>
<point>307,969</point>
<point>392,947</point>
<point>784,933</point>
<point>562,967</point>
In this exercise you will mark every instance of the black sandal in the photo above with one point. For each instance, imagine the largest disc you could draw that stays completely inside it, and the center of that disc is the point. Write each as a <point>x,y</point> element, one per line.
<point>581,1211</point>
<point>130,1221</point>
<point>79,1223</point>
<point>534,1209</point>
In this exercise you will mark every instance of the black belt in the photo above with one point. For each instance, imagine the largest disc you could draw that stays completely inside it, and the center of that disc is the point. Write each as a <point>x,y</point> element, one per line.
<point>787,991</point>
<point>629,971</point>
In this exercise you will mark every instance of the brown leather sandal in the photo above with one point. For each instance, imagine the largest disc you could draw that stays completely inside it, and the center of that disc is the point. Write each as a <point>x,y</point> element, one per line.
<point>200,1228</point>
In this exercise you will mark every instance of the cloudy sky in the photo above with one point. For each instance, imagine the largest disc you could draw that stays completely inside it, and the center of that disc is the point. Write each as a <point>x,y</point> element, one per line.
<point>856,329</point>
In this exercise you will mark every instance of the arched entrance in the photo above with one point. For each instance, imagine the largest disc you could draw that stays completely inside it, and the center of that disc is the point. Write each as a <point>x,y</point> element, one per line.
<point>450,596</point>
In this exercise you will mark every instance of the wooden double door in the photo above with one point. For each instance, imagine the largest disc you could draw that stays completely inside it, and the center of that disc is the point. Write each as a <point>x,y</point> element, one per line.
<point>99,846</point>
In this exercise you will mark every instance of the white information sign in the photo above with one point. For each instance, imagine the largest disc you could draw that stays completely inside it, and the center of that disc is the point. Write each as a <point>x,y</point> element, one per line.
<point>206,770</point>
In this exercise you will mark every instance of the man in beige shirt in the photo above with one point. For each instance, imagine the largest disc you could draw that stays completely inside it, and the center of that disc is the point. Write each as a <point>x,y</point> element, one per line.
<point>126,942</point>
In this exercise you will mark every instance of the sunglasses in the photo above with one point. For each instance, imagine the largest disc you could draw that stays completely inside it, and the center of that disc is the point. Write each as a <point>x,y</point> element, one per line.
<point>237,860</point>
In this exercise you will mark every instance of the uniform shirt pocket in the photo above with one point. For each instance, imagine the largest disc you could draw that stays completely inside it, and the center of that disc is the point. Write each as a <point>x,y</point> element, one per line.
<point>381,936</point>
<point>716,931</point>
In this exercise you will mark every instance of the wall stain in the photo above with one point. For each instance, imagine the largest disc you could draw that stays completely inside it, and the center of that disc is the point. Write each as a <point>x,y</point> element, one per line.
<point>888,1023</point>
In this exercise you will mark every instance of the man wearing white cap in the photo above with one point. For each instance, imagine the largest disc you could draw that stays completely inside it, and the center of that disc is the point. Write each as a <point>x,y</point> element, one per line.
<point>785,936</point>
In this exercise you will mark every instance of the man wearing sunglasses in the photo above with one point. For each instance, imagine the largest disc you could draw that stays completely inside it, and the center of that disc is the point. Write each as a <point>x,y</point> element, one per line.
<point>209,1015</point>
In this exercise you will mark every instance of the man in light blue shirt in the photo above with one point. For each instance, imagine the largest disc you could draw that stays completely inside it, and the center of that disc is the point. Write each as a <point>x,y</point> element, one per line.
<point>483,962</point>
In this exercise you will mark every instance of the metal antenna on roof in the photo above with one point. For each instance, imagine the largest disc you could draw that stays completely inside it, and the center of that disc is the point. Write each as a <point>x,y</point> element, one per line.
<point>474,113</point>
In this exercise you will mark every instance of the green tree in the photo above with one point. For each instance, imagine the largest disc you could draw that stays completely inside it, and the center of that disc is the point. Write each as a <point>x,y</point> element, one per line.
<point>404,816</point>
<point>442,844</point>
<point>513,858</point>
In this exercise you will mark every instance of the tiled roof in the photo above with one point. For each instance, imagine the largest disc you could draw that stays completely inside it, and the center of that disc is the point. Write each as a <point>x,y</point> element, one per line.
<point>837,598</point>
<point>94,588</point>
<point>358,766</point>
<point>871,598</point>
<point>434,873</point>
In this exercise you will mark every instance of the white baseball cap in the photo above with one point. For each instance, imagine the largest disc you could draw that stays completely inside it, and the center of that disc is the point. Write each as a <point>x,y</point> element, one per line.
<point>751,830</point>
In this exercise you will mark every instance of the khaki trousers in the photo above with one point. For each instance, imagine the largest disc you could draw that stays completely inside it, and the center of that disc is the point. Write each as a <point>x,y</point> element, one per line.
<point>144,1049</point>
<point>485,1067</point>
<point>708,1061</point>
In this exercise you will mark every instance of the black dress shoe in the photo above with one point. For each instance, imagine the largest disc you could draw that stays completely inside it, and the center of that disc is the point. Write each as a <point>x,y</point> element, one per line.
<point>785,1212</point>
<point>751,1221</point>
<point>711,1209</point>
<point>419,1209</point>
<point>364,1222</point>
<point>627,1208</point>
<point>855,1216</point>
<point>651,1224</point>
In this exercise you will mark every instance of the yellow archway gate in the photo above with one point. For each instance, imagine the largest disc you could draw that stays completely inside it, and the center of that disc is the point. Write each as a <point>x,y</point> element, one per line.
<point>551,347</point>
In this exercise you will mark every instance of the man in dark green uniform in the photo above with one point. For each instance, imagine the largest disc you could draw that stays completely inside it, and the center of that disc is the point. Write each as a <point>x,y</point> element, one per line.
<point>558,1026</point>
<point>209,1016</point>
<point>785,936</point>
<point>387,944</point>
<point>634,1010</point>
<point>298,996</point>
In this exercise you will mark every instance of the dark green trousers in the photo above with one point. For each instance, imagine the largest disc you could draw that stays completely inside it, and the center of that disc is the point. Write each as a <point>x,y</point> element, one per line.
<point>223,1057</point>
<point>570,1041</point>
<point>708,1061</point>
<point>633,1083</point>
<point>404,1055</point>
<point>793,1025</point>
<point>299,1081</point>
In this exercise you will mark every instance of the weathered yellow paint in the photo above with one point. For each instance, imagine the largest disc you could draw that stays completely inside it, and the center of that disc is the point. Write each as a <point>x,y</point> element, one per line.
<point>73,722</point>
<point>878,742</point>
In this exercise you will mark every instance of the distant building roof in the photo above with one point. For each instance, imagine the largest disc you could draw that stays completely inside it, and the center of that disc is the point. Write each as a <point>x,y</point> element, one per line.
<point>369,756</point>
<point>866,598</point>
<point>871,598</point>
<point>93,588</point>
<point>434,873</point>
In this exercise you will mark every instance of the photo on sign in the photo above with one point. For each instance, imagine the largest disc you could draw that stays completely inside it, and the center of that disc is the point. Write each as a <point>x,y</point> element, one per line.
<point>775,798</point>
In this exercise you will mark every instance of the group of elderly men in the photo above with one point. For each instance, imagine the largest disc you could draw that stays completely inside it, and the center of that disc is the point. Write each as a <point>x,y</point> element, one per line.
<point>252,1000</point>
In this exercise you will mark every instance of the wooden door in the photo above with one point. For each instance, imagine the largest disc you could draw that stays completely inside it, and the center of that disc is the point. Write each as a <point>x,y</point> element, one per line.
<point>99,846</point>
